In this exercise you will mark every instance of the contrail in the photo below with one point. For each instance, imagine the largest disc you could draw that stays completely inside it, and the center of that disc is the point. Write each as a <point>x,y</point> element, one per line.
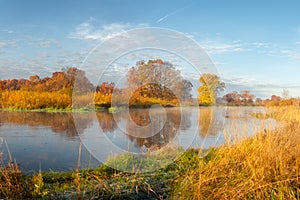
<point>172,13</point>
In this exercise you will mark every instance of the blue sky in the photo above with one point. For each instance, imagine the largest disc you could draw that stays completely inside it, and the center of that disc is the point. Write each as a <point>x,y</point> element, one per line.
<point>254,45</point>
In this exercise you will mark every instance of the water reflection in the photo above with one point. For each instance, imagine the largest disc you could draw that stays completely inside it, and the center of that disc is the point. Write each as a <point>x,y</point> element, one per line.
<point>61,123</point>
<point>106,121</point>
<point>52,139</point>
<point>44,141</point>
<point>176,120</point>
<point>173,124</point>
<point>210,122</point>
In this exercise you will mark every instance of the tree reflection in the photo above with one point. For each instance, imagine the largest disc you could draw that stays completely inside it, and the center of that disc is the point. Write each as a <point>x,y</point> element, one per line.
<point>176,120</point>
<point>106,121</point>
<point>210,123</point>
<point>61,123</point>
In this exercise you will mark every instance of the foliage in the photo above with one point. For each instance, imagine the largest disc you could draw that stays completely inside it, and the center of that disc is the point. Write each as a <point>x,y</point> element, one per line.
<point>208,91</point>
<point>60,81</point>
<point>234,98</point>
<point>35,100</point>
<point>157,79</point>
<point>245,98</point>
<point>102,99</point>
<point>154,82</point>
<point>283,102</point>
<point>50,93</point>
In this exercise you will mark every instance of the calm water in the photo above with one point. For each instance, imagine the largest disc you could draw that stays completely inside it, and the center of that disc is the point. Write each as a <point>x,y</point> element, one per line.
<point>51,141</point>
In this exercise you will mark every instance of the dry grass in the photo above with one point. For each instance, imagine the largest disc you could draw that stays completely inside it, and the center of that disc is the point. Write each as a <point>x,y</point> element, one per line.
<point>263,167</point>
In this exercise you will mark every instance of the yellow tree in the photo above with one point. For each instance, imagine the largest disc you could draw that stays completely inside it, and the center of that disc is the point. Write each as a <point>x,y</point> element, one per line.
<point>211,85</point>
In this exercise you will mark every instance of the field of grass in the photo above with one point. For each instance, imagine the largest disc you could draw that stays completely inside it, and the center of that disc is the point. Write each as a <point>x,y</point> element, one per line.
<point>265,166</point>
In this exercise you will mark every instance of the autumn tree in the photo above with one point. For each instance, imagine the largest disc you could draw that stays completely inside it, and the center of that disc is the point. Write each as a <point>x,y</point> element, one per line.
<point>183,89</point>
<point>247,97</point>
<point>275,98</point>
<point>49,92</point>
<point>157,79</point>
<point>76,79</point>
<point>34,79</point>
<point>104,93</point>
<point>232,98</point>
<point>210,88</point>
<point>105,88</point>
<point>258,102</point>
<point>237,99</point>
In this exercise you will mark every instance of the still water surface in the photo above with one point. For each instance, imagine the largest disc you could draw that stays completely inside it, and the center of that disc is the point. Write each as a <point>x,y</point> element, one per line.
<point>51,141</point>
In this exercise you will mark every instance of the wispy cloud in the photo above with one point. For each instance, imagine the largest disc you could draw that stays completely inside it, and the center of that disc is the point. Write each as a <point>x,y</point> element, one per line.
<point>222,46</point>
<point>7,31</point>
<point>40,42</point>
<point>171,13</point>
<point>45,44</point>
<point>168,15</point>
<point>218,48</point>
<point>260,87</point>
<point>291,54</point>
<point>89,30</point>
<point>2,44</point>
<point>9,43</point>
<point>27,41</point>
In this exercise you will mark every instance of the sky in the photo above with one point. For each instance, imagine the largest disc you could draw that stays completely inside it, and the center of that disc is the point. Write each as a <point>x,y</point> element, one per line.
<point>254,45</point>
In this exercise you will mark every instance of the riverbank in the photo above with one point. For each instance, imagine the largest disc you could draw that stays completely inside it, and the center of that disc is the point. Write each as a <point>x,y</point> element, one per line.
<point>265,166</point>
<point>100,183</point>
<point>53,110</point>
<point>113,109</point>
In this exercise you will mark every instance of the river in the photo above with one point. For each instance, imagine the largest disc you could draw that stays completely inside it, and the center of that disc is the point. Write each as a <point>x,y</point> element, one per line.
<point>51,141</point>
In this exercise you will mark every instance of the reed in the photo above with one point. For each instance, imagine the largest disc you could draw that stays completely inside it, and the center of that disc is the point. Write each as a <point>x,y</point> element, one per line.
<point>265,166</point>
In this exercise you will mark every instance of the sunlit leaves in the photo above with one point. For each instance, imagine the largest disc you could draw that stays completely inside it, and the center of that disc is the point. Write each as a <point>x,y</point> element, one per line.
<point>211,85</point>
<point>157,81</point>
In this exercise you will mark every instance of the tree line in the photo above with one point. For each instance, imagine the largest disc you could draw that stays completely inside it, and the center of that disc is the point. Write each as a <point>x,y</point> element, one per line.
<point>147,83</point>
<point>245,98</point>
<point>212,86</point>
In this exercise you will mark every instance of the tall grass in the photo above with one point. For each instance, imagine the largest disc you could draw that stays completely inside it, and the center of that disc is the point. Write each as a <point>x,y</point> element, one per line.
<point>263,167</point>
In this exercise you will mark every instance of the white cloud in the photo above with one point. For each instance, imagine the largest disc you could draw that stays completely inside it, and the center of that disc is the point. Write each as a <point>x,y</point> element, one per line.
<point>215,46</point>
<point>7,31</point>
<point>45,44</point>
<point>27,40</point>
<point>218,48</point>
<point>217,63</point>
<point>38,42</point>
<point>3,44</point>
<point>190,35</point>
<point>260,87</point>
<point>8,43</point>
<point>291,54</point>
<point>90,31</point>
